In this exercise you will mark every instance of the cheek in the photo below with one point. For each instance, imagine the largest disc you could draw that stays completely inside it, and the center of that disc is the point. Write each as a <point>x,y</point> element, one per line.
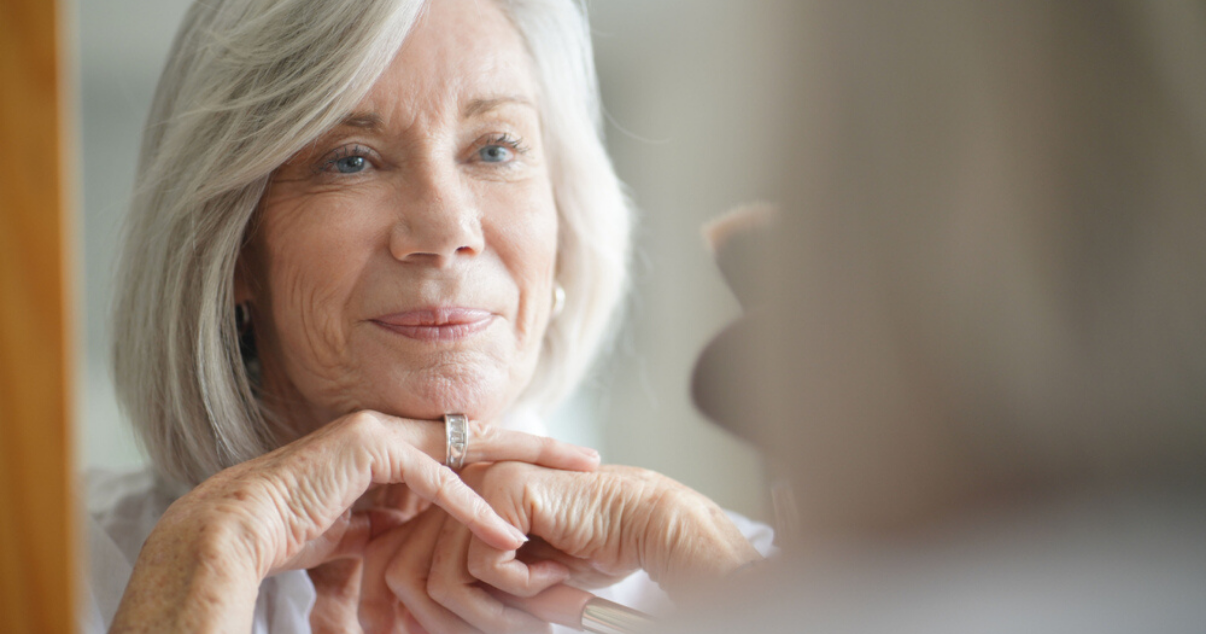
<point>312,268</point>
<point>528,248</point>
<point>307,301</point>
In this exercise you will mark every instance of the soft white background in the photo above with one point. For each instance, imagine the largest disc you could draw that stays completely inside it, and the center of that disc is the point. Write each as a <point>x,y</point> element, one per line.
<point>685,84</point>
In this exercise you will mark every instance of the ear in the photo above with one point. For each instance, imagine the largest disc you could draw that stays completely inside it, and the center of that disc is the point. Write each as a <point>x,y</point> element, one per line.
<point>243,280</point>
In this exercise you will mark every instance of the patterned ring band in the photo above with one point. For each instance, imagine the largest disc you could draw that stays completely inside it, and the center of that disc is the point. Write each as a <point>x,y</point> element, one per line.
<point>600,616</point>
<point>456,432</point>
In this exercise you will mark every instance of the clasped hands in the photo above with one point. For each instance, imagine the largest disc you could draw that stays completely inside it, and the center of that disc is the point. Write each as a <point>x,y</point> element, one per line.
<point>589,529</point>
<point>461,565</point>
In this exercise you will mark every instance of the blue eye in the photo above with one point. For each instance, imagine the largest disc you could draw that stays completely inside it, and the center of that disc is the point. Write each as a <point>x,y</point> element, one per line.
<point>495,154</point>
<point>350,164</point>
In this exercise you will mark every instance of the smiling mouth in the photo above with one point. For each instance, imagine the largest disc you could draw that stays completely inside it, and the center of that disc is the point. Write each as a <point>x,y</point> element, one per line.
<point>437,324</point>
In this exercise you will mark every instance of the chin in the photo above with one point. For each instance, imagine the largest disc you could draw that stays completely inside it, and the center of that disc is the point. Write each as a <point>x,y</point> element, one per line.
<point>480,396</point>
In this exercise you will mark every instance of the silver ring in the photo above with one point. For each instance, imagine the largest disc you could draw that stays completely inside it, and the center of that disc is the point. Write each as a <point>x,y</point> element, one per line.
<point>456,433</point>
<point>601,616</point>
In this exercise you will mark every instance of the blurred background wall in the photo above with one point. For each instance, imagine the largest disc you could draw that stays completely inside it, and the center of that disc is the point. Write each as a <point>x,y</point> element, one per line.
<point>686,84</point>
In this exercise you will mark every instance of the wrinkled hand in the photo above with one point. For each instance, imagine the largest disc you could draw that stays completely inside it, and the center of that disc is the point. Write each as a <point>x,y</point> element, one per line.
<point>590,529</point>
<point>416,575</point>
<point>617,519</point>
<point>293,508</point>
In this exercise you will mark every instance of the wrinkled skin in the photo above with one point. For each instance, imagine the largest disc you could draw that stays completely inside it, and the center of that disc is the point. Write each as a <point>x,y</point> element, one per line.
<point>589,530</point>
<point>292,508</point>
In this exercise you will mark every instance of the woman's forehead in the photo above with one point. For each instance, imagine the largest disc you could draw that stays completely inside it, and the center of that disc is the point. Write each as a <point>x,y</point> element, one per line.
<point>462,55</point>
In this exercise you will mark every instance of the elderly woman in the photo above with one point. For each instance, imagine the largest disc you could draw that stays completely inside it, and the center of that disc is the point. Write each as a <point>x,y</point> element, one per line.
<point>353,221</point>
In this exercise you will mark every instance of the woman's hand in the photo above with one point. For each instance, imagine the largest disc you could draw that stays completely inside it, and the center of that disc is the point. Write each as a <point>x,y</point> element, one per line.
<point>617,519</point>
<point>201,566</point>
<point>590,529</point>
<point>417,574</point>
<point>406,575</point>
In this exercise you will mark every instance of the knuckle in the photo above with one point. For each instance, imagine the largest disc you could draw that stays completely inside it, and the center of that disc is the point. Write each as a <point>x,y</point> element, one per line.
<point>487,484</point>
<point>505,622</point>
<point>481,430</point>
<point>439,591</point>
<point>405,581</point>
<point>480,569</point>
<point>484,438</point>
<point>482,512</point>
<point>372,619</point>
<point>446,483</point>
<point>363,424</point>
<point>548,447</point>
<point>446,479</point>
<point>505,472</point>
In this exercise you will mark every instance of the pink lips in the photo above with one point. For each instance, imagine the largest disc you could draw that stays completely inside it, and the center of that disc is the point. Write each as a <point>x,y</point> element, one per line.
<point>437,324</point>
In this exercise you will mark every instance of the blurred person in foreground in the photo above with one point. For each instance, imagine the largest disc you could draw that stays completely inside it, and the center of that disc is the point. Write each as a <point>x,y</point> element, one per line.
<point>976,337</point>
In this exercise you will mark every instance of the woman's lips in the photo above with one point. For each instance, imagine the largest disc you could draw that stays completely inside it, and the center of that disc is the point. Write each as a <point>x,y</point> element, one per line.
<point>437,324</point>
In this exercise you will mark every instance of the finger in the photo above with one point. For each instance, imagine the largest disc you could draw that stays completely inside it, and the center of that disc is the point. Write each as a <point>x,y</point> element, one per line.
<point>560,604</point>
<point>406,576</point>
<point>491,443</point>
<point>380,610</point>
<point>382,521</point>
<point>345,538</point>
<point>337,592</point>
<point>396,497</point>
<point>488,443</point>
<point>501,569</point>
<point>433,481</point>
<point>585,573</point>
<point>450,584</point>
<point>504,570</point>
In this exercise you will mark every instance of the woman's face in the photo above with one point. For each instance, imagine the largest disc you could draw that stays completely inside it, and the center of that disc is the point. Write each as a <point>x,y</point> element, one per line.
<point>404,261</point>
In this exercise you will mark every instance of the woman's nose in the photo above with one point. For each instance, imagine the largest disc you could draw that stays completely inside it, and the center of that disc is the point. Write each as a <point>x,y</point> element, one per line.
<point>439,221</point>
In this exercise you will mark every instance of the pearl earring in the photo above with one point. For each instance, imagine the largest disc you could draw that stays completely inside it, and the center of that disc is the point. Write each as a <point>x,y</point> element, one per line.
<point>558,301</point>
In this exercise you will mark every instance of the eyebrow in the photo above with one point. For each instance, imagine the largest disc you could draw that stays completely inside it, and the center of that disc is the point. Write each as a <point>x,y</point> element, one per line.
<point>482,106</point>
<point>372,121</point>
<point>363,120</point>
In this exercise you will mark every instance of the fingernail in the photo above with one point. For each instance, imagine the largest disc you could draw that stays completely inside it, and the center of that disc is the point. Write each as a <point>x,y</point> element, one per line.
<point>590,453</point>
<point>517,534</point>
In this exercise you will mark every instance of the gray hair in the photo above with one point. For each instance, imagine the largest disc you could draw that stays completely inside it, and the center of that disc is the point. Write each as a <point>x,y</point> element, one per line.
<point>248,84</point>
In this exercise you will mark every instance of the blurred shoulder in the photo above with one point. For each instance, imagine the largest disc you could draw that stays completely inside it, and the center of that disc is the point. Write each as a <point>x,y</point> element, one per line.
<point>125,505</point>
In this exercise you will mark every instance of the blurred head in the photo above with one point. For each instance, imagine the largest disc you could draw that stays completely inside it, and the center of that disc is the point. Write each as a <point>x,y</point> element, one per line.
<point>987,280</point>
<point>393,189</point>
